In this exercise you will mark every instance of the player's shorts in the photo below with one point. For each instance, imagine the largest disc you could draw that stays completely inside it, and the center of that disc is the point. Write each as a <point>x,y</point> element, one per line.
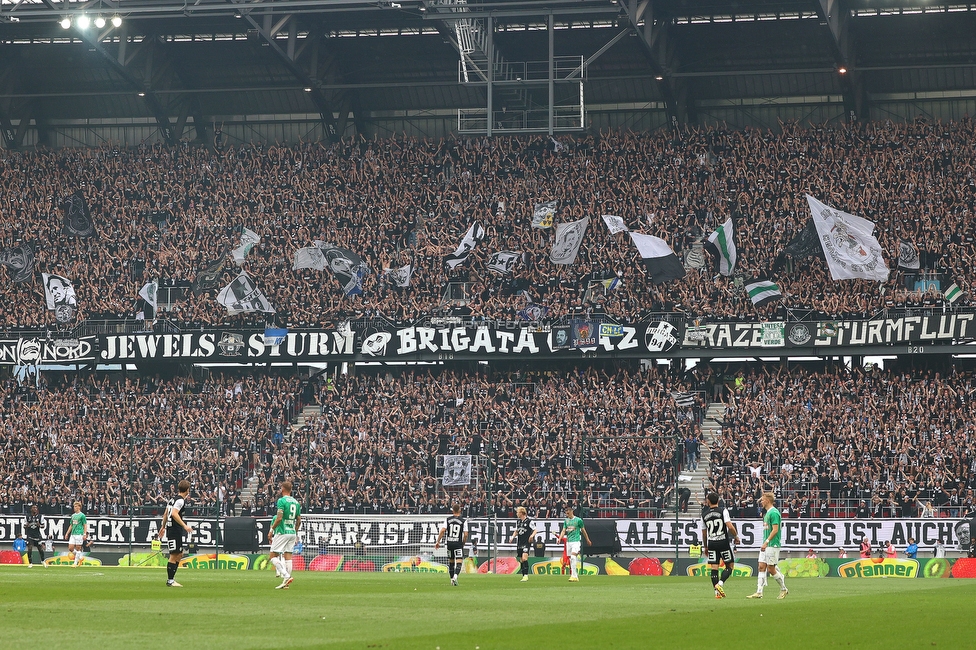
<point>523,548</point>
<point>283,543</point>
<point>573,548</point>
<point>76,540</point>
<point>175,539</point>
<point>770,556</point>
<point>455,552</point>
<point>720,551</point>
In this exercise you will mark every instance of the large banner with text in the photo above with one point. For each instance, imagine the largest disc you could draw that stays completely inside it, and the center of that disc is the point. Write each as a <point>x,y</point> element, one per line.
<point>455,338</point>
<point>366,533</point>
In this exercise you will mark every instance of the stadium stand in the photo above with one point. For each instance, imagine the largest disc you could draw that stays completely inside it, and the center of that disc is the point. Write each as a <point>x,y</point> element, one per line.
<point>168,212</point>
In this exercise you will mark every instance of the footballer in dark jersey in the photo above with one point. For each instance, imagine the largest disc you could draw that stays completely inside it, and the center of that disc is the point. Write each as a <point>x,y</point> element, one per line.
<point>175,529</point>
<point>455,536</point>
<point>524,534</point>
<point>719,531</point>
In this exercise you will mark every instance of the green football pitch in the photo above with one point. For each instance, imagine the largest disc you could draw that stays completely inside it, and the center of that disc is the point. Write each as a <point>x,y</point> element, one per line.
<point>107,608</point>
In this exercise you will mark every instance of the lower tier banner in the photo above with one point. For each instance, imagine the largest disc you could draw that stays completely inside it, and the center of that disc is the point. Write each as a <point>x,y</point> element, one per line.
<point>387,534</point>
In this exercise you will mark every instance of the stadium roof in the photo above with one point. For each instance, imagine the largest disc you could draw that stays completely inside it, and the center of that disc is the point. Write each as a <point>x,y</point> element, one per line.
<point>172,59</point>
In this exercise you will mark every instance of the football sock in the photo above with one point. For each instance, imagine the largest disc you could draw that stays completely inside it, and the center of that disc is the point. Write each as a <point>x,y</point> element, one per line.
<point>726,574</point>
<point>78,556</point>
<point>780,578</point>
<point>761,582</point>
<point>714,577</point>
<point>171,570</point>
<point>525,567</point>
<point>572,567</point>
<point>288,567</point>
<point>278,565</point>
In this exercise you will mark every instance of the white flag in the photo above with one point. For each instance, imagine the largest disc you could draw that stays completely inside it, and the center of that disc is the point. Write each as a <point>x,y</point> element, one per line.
<point>503,262</point>
<point>249,240</point>
<point>852,251</point>
<point>566,245</point>
<point>242,295</point>
<point>149,292</point>
<point>615,224</point>
<point>457,471</point>
<point>309,258</point>
<point>401,276</point>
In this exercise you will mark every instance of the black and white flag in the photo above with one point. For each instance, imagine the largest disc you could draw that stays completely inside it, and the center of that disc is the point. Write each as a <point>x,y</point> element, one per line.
<point>543,214</point>
<point>59,295</point>
<point>249,239</point>
<point>242,295</point>
<point>77,219</point>
<point>908,256</point>
<point>208,278</point>
<point>401,276</point>
<point>19,261</point>
<point>457,471</point>
<point>471,238</point>
<point>565,245</point>
<point>661,262</point>
<point>348,267</point>
<point>683,400</point>
<point>504,262</point>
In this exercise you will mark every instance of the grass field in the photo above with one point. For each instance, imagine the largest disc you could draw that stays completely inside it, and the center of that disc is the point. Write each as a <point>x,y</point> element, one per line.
<point>107,608</point>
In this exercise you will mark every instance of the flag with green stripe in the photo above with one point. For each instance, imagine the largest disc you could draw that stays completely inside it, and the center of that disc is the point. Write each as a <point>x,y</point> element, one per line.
<point>721,244</point>
<point>952,293</point>
<point>762,292</point>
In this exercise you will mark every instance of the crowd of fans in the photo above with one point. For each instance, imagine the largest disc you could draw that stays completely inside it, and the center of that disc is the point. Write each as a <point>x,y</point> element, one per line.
<point>167,213</point>
<point>601,438</point>
<point>831,442</point>
<point>373,449</point>
<point>842,443</point>
<point>112,442</point>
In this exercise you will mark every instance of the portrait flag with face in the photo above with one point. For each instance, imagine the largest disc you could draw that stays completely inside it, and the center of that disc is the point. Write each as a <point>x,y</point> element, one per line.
<point>59,295</point>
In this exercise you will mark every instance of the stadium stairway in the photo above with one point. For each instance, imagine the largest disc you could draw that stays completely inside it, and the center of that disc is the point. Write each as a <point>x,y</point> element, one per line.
<point>697,481</point>
<point>306,414</point>
<point>250,488</point>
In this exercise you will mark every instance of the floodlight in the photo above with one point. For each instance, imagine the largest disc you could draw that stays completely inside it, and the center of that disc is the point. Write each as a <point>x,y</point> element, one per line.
<point>65,23</point>
<point>842,70</point>
<point>99,22</point>
<point>116,21</point>
<point>83,21</point>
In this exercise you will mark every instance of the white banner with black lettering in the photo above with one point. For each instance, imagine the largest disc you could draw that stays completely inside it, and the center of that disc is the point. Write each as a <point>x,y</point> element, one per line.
<point>643,535</point>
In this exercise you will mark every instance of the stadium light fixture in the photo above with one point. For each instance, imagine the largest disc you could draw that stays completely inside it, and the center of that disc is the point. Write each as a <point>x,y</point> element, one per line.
<point>65,23</point>
<point>842,70</point>
<point>659,78</point>
<point>116,21</point>
<point>83,21</point>
<point>99,22</point>
<point>142,94</point>
<point>307,89</point>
